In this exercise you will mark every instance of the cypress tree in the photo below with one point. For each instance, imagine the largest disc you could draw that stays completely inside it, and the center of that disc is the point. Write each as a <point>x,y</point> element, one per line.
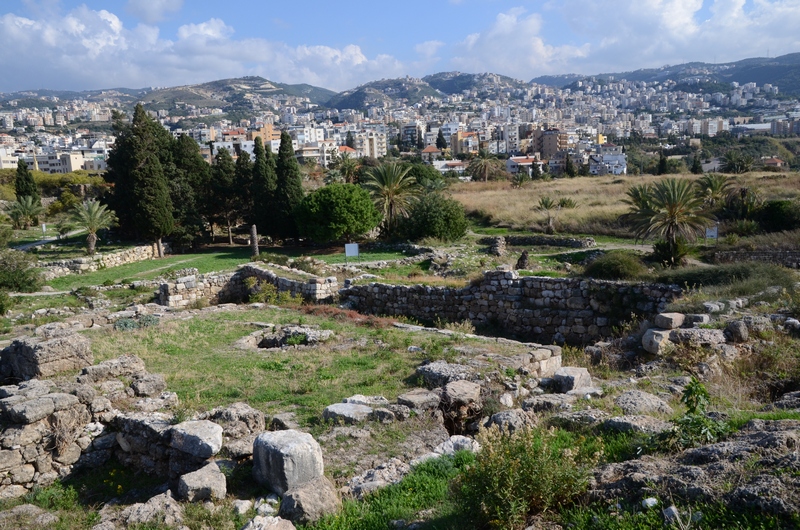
<point>349,140</point>
<point>288,191</point>
<point>697,166</point>
<point>569,167</point>
<point>263,188</point>
<point>441,143</point>
<point>24,185</point>
<point>223,191</point>
<point>662,164</point>
<point>153,214</point>
<point>189,190</point>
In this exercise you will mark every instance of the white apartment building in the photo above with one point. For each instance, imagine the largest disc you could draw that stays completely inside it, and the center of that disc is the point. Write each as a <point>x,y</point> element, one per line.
<point>371,143</point>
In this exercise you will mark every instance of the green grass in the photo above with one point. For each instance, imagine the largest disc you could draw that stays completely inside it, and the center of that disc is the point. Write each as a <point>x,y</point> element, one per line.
<point>204,368</point>
<point>427,487</point>
<point>204,262</point>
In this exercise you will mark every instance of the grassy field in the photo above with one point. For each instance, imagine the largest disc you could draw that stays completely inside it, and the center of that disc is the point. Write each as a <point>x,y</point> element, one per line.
<point>599,199</point>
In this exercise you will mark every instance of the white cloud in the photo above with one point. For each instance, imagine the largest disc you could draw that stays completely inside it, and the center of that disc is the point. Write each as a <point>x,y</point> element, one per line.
<point>428,49</point>
<point>152,11</point>
<point>93,49</point>
<point>512,45</point>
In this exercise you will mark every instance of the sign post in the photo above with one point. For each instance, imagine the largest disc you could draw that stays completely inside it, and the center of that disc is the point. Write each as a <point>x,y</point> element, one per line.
<point>350,251</point>
<point>713,233</point>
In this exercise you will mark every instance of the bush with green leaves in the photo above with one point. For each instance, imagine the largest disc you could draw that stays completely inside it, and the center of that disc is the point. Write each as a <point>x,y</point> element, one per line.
<point>616,265</point>
<point>335,212</point>
<point>126,324</point>
<point>6,302</point>
<point>146,321</point>
<point>670,254</point>
<point>435,216</point>
<point>266,293</point>
<point>17,272</point>
<point>695,427</point>
<point>525,472</point>
<point>780,215</point>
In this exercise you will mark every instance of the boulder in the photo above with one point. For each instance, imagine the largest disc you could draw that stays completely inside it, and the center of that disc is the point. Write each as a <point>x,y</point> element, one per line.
<point>738,331</point>
<point>457,443</point>
<point>31,358</point>
<point>757,324</point>
<point>419,399</point>
<point>705,338</point>
<point>579,418</point>
<point>549,402</point>
<point>388,473</point>
<point>439,373</point>
<point>159,509</point>
<point>268,523</point>
<point>636,424</point>
<point>461,394</point>
<point>201,439</point>
<point>370,401</point>
<point>570,378</point>
<point>669,320</point>
<point>283,460</point>
<point>510,420</point>
<point>207,483</point>
<point>656,341</point>
<point>125,365</point>
<point>346,413</point>
<point>638,402</point>
<point>284,421</point>
<point>147,385</point>
<point>238,419</point>
<point>308,502</point>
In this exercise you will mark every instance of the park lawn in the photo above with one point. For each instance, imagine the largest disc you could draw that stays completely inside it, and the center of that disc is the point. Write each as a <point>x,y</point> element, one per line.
<point>211,260</point>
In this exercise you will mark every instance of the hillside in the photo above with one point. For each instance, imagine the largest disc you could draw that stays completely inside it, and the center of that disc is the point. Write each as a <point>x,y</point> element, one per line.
<point>377,92</point>
<point>783,71</point>
<point>457,82</point>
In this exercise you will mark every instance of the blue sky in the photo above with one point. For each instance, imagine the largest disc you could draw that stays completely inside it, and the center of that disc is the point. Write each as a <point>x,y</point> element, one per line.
<point>90,44</point>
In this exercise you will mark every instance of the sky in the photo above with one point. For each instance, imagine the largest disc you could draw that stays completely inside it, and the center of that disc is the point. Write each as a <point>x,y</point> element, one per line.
<point>94,44</point>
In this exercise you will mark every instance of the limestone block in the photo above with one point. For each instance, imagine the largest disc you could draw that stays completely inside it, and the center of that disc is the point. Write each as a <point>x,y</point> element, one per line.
<point>669,320</point>
<point>283,460</point>
<point>206,483</point>
<point>571,378</point>
<point>656,341</point>
<point>347,413</point>
<point>202,439</point>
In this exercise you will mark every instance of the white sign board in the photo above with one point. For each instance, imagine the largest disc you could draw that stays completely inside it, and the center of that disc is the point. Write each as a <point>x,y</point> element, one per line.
<point>351,250</point>
<point>712,233</point>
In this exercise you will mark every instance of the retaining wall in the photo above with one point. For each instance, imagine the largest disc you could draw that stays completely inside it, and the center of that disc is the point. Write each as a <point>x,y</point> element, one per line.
<point>216,288</point>
<point>539,309</point>
<point>787,258</point>
<point>57,269</point>
<point>541,240</point>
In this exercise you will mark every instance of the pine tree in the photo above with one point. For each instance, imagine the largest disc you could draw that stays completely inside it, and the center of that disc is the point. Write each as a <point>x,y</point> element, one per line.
<point>223,191</point>
<point>24,185</point>
<point>288,191</point>
<point>263,189</point>
<point>441,143</point>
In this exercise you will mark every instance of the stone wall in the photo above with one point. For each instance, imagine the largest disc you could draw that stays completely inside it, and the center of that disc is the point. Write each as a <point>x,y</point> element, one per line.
<point>544,310</point>
<point>787,258</point>
<point>57,269</point>
<point>216,288</point>
<point>543,240</point>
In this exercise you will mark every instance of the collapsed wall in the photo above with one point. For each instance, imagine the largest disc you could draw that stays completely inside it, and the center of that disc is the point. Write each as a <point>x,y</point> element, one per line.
<point>216,288</point>
<point>82,265</point>
<point>545,310</point>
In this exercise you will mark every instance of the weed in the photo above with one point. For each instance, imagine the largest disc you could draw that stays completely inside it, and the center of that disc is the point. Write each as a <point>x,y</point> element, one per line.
<point>694,427</point>
<point>523,473</point>
<point>126,324</point>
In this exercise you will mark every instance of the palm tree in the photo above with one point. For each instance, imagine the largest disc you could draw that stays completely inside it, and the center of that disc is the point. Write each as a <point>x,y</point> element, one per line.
<point>673,212</point>
<point>348,167</point>
<point>736,162</point>
<point>484,165</point>
<point>547,205</point>
<point>393,191</point>
<point>92,216</point>
<point>25,212</point>
<point>713,188</point>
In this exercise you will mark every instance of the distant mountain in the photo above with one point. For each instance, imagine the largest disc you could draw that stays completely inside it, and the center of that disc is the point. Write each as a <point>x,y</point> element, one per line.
<point>411,89</point>
<point>783,71</point>
<point>457,82</point>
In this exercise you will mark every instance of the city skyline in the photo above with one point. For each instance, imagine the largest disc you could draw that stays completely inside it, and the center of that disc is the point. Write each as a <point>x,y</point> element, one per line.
<point>92,44</point>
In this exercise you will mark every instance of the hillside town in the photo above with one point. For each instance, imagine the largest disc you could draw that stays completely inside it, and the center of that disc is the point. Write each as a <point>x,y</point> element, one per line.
<point>526,123</point>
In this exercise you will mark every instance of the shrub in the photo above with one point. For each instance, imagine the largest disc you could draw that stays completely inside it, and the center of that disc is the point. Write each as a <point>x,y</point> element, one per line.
<point>695,427</point>
<point>743,228</point>
<point>146,321</point>
<point>17,272</point>
<point>524,473</point>
<point>616,266</point>
<point>266,293</point>
<point>277,259</point>
<point>434,215</point>
<point>336,211</point>
<point>670,255</point>
<point>774,216</point>
<point>728,274</point>
<point>126,324</point>
<point>6,302</point>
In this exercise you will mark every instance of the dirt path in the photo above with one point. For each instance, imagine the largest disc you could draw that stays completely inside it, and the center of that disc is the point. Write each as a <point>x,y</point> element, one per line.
<point>49,239</point>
